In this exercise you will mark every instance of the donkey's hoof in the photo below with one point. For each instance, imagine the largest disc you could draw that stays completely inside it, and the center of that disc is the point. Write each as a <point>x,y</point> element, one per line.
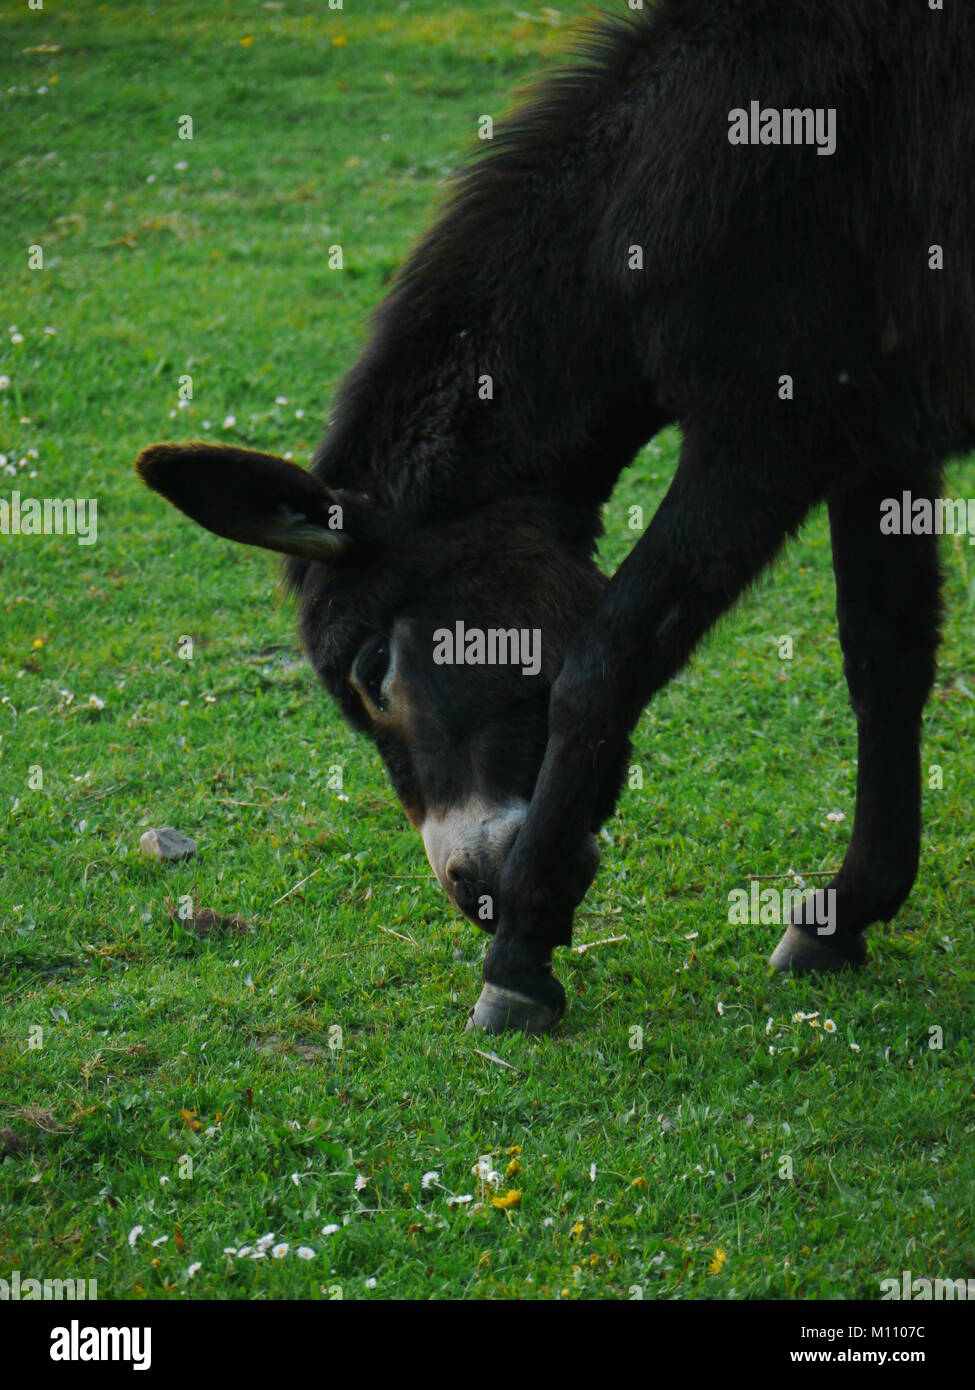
<point>803,954</point>
<point>500,1010</point>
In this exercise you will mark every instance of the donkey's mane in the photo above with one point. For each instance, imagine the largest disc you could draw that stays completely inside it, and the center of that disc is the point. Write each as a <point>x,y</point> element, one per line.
<point>433,291</point>
<point>489,186</point>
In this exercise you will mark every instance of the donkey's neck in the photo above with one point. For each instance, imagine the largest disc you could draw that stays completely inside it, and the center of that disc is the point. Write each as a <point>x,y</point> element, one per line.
<point>499,363</point>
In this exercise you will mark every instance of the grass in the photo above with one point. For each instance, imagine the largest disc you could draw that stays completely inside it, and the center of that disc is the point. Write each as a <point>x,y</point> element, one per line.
<point>327,1043</point>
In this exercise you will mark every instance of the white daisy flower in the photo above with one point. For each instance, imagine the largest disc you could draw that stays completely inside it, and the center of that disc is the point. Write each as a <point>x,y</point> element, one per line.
<point>134,1235</point>
<point>160,1240</point>
<point>266,1242</point>
<point>429,1179</point>
<point>229,422</point>
<point>280,1250</point>
<point>829,1026</point>
<point>330,1229</point>
<point>360,1182</point>
<point>305,1252</point>
<point>194,1269</point>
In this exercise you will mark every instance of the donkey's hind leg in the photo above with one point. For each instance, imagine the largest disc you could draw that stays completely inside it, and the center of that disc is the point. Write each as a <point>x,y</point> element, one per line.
<point>888,591</point>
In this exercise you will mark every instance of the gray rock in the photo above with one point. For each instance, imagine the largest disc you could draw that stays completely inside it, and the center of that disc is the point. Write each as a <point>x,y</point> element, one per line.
<point>167,844</point>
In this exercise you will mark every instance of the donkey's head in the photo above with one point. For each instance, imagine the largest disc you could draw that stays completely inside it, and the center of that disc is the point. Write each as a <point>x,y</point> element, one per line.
<point>440,640</point>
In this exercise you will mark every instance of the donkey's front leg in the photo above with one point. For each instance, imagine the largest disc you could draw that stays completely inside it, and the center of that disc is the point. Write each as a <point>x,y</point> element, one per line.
<point>713,533</point>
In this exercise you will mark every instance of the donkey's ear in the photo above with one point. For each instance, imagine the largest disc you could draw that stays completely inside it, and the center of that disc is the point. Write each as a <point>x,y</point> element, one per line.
<point>253,498</point>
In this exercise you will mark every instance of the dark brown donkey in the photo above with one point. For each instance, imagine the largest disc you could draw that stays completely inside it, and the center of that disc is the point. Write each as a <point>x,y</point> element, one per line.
<point>752,218</point>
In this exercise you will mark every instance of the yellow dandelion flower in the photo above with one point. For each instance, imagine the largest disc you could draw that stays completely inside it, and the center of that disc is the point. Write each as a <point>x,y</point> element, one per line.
<point>515,1149</point>
<point>577,1230</point>
<point>639,1182</point>
<point>513,1167</point>
<point>37,643</point>
<point>512,1198</point>
<point>246,42</point>
<point>339,41</point>
<point>717,1264</point>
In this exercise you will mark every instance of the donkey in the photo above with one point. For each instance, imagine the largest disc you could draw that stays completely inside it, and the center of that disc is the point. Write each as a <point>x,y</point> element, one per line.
<point>642,246</point>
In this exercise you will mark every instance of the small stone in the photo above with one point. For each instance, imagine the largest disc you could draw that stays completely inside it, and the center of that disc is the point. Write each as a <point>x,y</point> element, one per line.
<point>167,844</point>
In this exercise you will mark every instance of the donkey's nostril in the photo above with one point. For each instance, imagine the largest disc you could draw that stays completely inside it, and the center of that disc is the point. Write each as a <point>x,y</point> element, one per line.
<point>457,869</point>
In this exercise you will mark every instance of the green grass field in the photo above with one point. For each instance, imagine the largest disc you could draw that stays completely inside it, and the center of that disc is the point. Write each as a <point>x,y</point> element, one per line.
<point>306,1074</point>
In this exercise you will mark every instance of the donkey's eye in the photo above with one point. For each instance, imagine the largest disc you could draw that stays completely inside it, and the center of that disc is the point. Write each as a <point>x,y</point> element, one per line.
<point>371,666</point>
